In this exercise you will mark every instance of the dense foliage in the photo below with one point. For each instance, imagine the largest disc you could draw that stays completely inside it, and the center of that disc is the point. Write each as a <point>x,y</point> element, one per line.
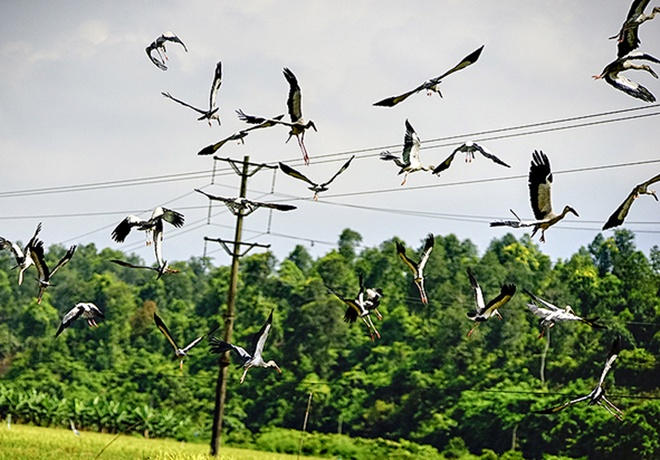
<point>423,382</point>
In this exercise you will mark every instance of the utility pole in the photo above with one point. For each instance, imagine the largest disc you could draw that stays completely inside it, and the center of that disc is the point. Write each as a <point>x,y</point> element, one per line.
<point>221,383</point>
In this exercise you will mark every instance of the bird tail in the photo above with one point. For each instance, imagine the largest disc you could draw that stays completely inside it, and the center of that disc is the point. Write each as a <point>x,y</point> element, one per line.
<point>219,346</point>
<point>593,322</point>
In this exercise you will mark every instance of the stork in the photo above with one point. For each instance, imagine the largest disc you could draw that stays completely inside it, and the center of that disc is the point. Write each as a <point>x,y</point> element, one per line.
<point>611,75</point>
<point>158,46</point>
<point>597,395</point>
<point>239,135</point>
<point>212,112</point>
<point>410,160</point>
<point>469,148</point>
<point>357,308</point>
<point>22,256</point>
<point>244,207</point>
<point>628,38</point>
<point>253,358</point>
<point>484,311</point>
<point>45,275</point>
<point>315,187</point>
<point>162,269</point>
<point>549,314</point>
<point>370,297</point>
<point>540,184</point>
<point>178,351</point>
<point>621,212</point>
<point>433,85</point>
<point>87,310</point>
<point>417,268</point>
<point>155,222</point>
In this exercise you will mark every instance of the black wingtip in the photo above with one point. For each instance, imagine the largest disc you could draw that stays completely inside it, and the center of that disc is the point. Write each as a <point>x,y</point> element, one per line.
<point>208,150</point>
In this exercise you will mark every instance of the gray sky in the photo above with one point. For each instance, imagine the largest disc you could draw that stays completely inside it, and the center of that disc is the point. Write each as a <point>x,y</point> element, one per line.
<point>80,103</point>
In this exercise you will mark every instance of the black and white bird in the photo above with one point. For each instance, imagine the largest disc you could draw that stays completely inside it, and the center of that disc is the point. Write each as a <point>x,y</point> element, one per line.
<point>253,358</point>
<point>161,269</point>
<point>628,36</point>
<point>22,256</point>
<point>244,206</point>
<point>410,161</point>
<point>240,135</point>
<point>213,111</point>
<point>178,351</point>
<point>356,308</point>
<point>621,212</point>
<point>540,184</point>
<point>370,297</point>
<point>484,311</point>
<point>417,268</point>
<point>469,148</point>
<point>549,314</point>
<point>155,222</point>
<point>158,45</point>
<point>597,395</point>
<point>315,187</point>
<point>433,85</point>
<point>86,310</point>
<point>45,274</point>
<point>612,75</point>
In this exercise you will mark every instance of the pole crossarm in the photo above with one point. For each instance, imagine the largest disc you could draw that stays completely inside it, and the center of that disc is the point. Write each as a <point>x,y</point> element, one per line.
<point>225,243</point>
<point>234,165</point>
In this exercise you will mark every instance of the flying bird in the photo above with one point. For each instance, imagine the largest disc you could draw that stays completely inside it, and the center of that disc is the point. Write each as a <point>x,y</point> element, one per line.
<point>628,38</point>
<point>597,395</point>
<point>432,85</point>
<point>161,270</point>
<point>253,358</point>
<point>370,297</point>
<point>242,134</point>
<point>549,314</point>
<point>417,268</point>
<point>621,212</point>
<point>45,274</point>
<point>484,311</point>
<point>540,184</point>
<point>86,310</point>
<point>212,112</point>
<point>316,188</point>
<point>469,148</point>
<point>155,222</point>
<point>356,308</point>
<point>244,206</point>
<point>158,46</point>
<point>22,256</point>
<point>410,161</point>
<point>611,75</point>
<point>179,352</point>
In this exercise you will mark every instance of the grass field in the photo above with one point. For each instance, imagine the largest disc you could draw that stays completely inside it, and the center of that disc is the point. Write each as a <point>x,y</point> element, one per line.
<point>24,442</point>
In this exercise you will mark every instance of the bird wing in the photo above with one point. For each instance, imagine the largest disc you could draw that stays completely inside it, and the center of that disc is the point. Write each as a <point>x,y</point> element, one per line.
<point>173,38</point>
<point>540,183</point>
<point>294,100</point>
<point>169,96</point>
<point>277,206</point>
<point>211,149</point>
<point>296,174</point>
<point>214,197</point>
<point>173,217</point>
<point>411,144</point>
<point>632,88</point>
<point>611,357</point>
<point>122,230</point>
<point>215,86</point>
<point>260,338</point>
<point>621,212</point>
<point>552,410</point>
<point>341,170</point>
<point>466,61</point>
<point>351,314</point>
<point>123,263</point>
<point>478,294</point>
<point>70,317</point>
<point>445,164</point>
<point>408,261</point>
<point>67,257</point>
<point>426,252</point>
<point>628,36</point>
<point>394,100</point>
<point>193,343</point>
<point>485,152</point>
<point>541,301</point>
<point>219,346</point>
<point>96,311</point>
<point>539,311</point>
<point>267,123</point>
<point>15,248</point>
<point>163,328</point>
<point>157,62</point>
<point>506,292</point>
<point>37,256</point>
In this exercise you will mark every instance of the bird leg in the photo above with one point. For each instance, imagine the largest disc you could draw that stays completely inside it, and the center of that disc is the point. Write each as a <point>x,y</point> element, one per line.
<point>301,143</point>
<point>370,325</point>
<point>181,365</point>
<point>316,196</point>
<point>610,411</point>
<point>472,330</point>
<point>405,177</point>
<point>499,316</point>
<point>542,239</point>
<point>244,374</point>
<point>609,403</point>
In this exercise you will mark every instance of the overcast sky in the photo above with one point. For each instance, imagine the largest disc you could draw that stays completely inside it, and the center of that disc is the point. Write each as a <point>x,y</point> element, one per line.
<point>80,103</point>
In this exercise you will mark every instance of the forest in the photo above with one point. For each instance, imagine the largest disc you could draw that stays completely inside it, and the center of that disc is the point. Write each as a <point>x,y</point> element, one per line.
<point>424,384</point>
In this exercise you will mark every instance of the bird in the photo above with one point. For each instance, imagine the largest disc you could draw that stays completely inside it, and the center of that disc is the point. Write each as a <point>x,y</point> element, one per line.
<point>597,395</point>
<point>356,308</point>
<point>484,311</point>
<point>316,188</point>
<point>212,112</point>
<point>418,268</point>
<point>178,352</point>
<point>540,183</point>
<point>158,215</point>
<point>621,212</point>
<point>410,161</point>
<point>161,270</point>
<point>22,256</point>
<point>45,275</point>
<point>628,38</point>
<point>239,135</point>
<point>73,428</point>
<point>253,358</point>
<point>432,85</point>
<point>549,314</point>
<point>244,207</point>
<point>158,46</point>
<point>611,75</point>
<point>469,148</point>
<point>87,310</point>
<point>370,297</point>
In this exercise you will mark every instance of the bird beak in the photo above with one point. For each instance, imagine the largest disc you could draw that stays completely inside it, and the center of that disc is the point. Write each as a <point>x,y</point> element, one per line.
<point>278,369</point>
<point>652,192</point>
<point>574,212</point>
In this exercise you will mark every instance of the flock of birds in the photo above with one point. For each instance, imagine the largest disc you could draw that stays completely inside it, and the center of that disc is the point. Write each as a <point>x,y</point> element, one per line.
<point>367,300</point>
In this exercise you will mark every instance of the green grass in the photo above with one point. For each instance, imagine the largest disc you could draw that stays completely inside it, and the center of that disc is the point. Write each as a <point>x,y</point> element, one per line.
<point>24,442</point>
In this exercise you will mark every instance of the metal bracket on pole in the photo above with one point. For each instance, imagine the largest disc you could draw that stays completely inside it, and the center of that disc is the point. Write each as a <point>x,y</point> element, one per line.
<point>230,253</point>
<point>234,165</point>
